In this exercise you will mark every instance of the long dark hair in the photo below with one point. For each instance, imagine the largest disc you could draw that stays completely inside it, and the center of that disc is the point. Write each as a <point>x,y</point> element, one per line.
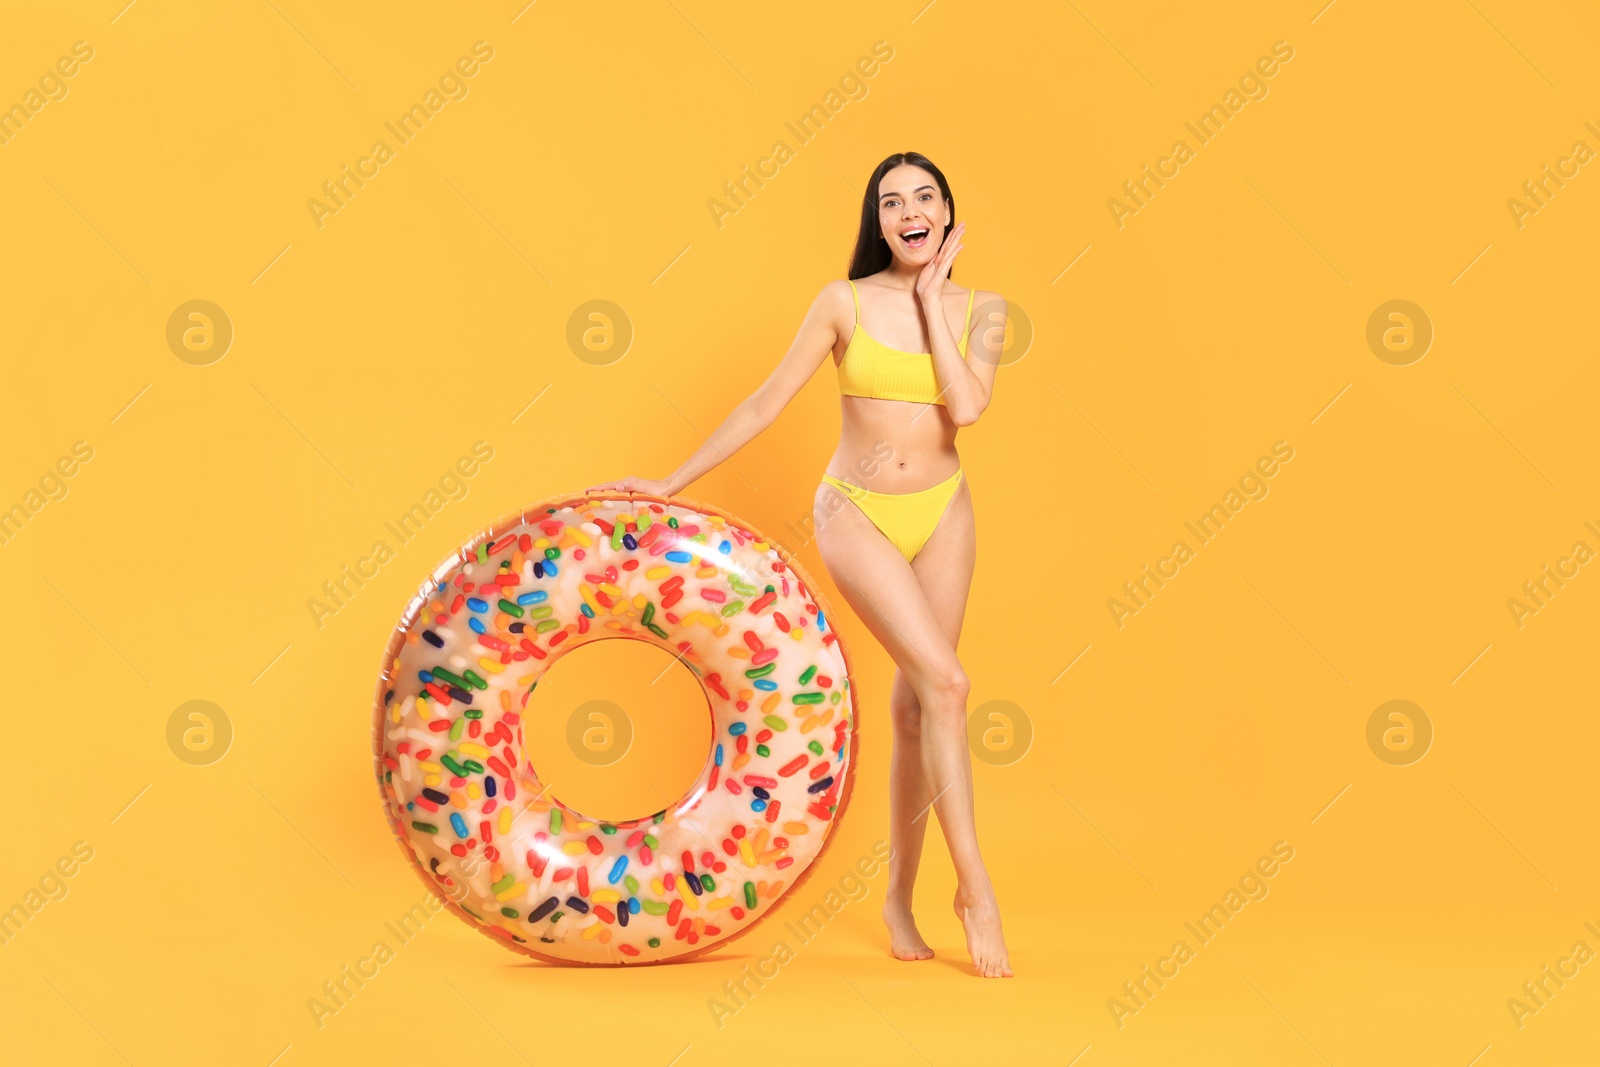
<point>872,251</point>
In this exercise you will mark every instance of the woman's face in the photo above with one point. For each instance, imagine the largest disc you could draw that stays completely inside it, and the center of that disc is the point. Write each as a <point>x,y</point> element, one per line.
<point>912,214</point>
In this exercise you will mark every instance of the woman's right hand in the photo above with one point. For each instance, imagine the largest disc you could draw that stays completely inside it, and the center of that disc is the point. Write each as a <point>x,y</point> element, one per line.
<point>643,486</point>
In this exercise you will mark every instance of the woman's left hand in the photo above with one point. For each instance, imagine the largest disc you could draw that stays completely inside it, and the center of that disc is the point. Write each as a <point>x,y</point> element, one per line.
<point>643,486</point>
<point>930,283</point>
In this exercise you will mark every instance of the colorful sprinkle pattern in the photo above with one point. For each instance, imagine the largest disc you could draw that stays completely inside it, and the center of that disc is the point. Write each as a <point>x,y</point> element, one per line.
<point>461,792</point>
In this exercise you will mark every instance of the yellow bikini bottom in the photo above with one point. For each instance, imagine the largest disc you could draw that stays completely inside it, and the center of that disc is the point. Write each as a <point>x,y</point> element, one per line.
<point>906,519</point>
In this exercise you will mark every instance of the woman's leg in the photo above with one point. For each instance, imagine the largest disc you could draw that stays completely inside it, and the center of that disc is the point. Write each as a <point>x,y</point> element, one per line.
<point>944,571</point>
<point>886,594</point>
<point>910,801</point>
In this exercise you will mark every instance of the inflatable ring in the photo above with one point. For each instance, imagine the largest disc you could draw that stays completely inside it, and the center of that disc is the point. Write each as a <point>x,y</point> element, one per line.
<point>461,791</point>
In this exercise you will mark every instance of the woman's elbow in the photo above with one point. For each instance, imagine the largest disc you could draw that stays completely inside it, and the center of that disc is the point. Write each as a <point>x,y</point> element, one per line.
<point>763,410</point>
<point>965,414</point>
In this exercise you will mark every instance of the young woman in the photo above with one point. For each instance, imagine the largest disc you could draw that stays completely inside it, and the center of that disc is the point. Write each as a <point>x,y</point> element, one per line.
<point>893,513</point>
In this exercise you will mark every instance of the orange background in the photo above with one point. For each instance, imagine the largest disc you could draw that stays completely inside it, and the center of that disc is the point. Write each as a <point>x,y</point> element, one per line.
<point>431,311</point>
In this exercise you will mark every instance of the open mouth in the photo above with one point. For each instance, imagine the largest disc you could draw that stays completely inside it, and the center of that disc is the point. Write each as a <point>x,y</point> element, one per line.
<point>915,238</point>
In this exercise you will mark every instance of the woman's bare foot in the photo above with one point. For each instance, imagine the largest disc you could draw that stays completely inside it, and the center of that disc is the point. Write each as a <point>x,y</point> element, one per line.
<point>905,943</point>
<point>980,917</point>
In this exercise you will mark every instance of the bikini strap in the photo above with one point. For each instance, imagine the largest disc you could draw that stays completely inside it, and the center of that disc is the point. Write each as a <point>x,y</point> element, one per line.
<point>857,298</point>
<point>966,323</point>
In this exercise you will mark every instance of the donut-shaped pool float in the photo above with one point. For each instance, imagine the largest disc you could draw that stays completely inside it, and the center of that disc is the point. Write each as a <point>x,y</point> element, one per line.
<point>463,795</point>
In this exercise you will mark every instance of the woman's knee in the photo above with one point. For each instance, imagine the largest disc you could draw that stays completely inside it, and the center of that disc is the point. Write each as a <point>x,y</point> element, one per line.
<point>905,710</point>
<point>945,689</point>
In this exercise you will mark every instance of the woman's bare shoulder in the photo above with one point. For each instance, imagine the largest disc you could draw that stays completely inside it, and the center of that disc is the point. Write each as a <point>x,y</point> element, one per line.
<point>837,298</point>
<point>983,298</point>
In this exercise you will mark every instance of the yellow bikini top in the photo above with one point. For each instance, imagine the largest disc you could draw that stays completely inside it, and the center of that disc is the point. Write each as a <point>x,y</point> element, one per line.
<point>871,368</point>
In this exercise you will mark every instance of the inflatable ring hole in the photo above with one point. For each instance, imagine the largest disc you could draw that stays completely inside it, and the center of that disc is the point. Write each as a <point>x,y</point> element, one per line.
<point>620,732</point>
